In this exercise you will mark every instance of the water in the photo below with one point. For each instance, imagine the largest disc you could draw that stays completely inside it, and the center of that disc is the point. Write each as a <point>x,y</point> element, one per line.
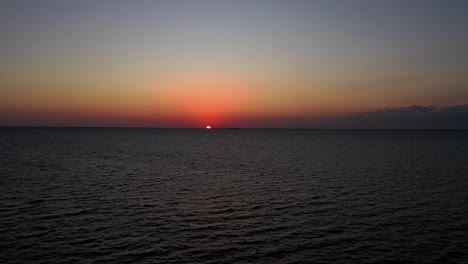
<point>233,196</point>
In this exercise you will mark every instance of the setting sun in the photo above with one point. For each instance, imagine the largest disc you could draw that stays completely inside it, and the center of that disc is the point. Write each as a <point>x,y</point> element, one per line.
<point>334,123</point>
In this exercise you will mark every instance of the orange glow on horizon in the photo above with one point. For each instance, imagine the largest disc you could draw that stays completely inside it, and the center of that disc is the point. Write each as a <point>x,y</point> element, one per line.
<point>206,95</point>
<point>208,127</point>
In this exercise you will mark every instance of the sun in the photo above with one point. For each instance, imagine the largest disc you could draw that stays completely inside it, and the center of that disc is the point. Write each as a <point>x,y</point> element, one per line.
<point>208,127</point>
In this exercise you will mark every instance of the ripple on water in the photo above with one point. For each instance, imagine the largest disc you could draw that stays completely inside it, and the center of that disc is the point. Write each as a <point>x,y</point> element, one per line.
<point>243,196</point>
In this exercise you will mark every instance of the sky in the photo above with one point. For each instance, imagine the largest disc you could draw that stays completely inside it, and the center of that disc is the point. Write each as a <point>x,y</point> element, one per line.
<point>244,63</point>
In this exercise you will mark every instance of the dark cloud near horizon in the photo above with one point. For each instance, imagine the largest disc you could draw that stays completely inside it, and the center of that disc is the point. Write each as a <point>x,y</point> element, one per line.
<point>411,117</point>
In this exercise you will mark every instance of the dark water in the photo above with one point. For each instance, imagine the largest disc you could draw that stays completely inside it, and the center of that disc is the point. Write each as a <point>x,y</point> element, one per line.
<point>233,196</point>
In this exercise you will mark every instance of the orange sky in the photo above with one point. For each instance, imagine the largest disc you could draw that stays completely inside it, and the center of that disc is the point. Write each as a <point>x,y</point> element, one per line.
<point>226,63</point>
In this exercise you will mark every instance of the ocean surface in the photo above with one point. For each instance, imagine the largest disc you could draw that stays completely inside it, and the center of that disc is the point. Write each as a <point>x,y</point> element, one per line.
<point>233,196</point>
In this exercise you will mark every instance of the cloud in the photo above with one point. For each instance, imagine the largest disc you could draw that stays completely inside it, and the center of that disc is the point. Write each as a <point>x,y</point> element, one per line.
<point>411,117</point>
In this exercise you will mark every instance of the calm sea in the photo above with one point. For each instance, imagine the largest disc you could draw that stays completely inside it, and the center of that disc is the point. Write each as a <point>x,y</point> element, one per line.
<point>233,196</point>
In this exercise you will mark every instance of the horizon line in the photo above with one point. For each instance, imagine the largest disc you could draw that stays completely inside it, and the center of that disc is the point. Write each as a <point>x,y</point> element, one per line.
<point>224,128</point>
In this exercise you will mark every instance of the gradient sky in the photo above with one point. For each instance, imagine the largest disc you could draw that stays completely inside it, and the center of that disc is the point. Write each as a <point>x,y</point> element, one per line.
<point>245,63</point>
